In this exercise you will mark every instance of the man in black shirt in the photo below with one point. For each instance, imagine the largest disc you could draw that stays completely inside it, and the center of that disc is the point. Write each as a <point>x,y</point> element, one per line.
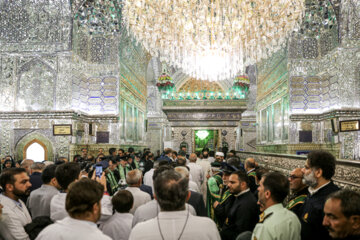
<point>318,171</point>
<point>243,214</point>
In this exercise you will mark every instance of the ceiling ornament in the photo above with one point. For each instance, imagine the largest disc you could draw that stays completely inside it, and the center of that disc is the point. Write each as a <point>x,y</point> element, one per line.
<point>212,39</point>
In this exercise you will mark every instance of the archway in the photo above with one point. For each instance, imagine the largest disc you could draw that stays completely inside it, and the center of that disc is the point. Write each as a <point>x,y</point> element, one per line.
<point>35,137</point>
<point>35,150</point>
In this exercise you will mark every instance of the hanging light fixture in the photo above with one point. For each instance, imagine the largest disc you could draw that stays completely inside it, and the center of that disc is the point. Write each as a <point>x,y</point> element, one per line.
<point>212,39</point>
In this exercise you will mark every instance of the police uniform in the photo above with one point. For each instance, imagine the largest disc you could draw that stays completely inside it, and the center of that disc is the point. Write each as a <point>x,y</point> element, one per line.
<point>277,223</point>
<point>252,180</point>
<point>296,201</point>
<point>242,215</point>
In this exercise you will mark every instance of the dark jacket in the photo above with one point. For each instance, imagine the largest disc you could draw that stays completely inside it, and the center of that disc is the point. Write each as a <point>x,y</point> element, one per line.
<point>147,189</point>
<point>296,201</point>
<point>35,180</point>
<point>242,216</point>
<point>222,209</point>
<point>196,200</point>
<point>312,214</point>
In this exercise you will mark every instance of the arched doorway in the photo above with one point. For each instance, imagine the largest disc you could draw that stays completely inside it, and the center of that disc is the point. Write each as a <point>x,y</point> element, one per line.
<point>35,150</point>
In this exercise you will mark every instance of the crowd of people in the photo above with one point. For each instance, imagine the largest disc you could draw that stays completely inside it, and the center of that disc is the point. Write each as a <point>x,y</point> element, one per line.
<point>174,195</point>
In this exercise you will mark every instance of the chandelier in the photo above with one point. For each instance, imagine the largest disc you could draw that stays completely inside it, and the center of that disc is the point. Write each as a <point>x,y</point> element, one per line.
<point>212,39</point>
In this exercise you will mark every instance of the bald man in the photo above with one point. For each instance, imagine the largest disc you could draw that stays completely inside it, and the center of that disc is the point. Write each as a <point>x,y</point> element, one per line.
<point>299,191</point>
<point>250,166</point>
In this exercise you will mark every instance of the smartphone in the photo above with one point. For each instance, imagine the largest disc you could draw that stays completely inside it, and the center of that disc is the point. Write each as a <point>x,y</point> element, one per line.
<point>98,171</point>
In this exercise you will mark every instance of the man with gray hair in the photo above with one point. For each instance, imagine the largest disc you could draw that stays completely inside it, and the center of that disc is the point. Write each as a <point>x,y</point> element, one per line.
<point>196,200</point>
<point>173,220</point>
<point>134,179</point>
<point>35,177</point>
<point>185,173</point>
<point>151,209</point>
<point>26,164</point>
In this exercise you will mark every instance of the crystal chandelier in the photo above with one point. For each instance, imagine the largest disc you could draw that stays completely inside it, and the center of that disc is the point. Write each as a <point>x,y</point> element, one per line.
<point>212,39</point>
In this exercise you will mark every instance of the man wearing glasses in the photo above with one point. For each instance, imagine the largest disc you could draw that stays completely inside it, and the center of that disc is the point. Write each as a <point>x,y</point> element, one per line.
<point>299,191</point>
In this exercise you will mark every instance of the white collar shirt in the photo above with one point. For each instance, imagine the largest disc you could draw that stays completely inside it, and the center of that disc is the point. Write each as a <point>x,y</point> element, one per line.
<point>151,209</point>
<point>58,211</point>
<point>196,172</point>
<point>148,178</point>
<point>118,226</point>
<point>140,198</point>
<point>72,229</point>
<point>170,225</point>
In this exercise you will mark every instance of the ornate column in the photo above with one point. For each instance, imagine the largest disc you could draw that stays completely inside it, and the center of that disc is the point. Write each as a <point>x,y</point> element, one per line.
<point>247,129</point>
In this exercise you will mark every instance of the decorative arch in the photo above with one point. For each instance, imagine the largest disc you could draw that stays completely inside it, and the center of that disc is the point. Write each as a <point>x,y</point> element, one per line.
<point>40,143</point>
<point>27,140</point>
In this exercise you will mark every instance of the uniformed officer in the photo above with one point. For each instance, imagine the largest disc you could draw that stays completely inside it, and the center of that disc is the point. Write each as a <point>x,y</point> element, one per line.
<point>299,191</point>
<point>224,203</point>
<point>276,222</point>
<point>250,167</point>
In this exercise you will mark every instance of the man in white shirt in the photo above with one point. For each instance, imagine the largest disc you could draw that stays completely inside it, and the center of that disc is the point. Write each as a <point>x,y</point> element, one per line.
<point>151,209</point>
<point>66,174</point>
<point>39,200</point>
<point>173,221</point>
<point>84,209</point>
<point>134,179</point>
<point>206,167</point>
<point>118,227</point>
<point>195,170</point>
<point>16,183</point>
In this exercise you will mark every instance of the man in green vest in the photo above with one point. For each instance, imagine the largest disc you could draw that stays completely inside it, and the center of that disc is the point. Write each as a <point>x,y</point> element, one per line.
<point>112,177</point>
<point>222,206</point>
<point>213,189</point>
<point>250,167</point>
<point>299,191</point>
<point>123,169</point>
<point>218,192</point>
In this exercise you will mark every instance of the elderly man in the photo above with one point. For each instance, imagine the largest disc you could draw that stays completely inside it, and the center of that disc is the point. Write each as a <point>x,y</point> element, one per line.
<point>134,179</point>
<point>173,221</point>
<point>250,167</point>
<point>151,209</point>
<point>299,191</point>
<point>35,177</point>
<point>15,183</point>
<point>318,171</point>
<point>196,199</point>
<point>84,209</point>
<point>26,164</point>
<point>342,215</point>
